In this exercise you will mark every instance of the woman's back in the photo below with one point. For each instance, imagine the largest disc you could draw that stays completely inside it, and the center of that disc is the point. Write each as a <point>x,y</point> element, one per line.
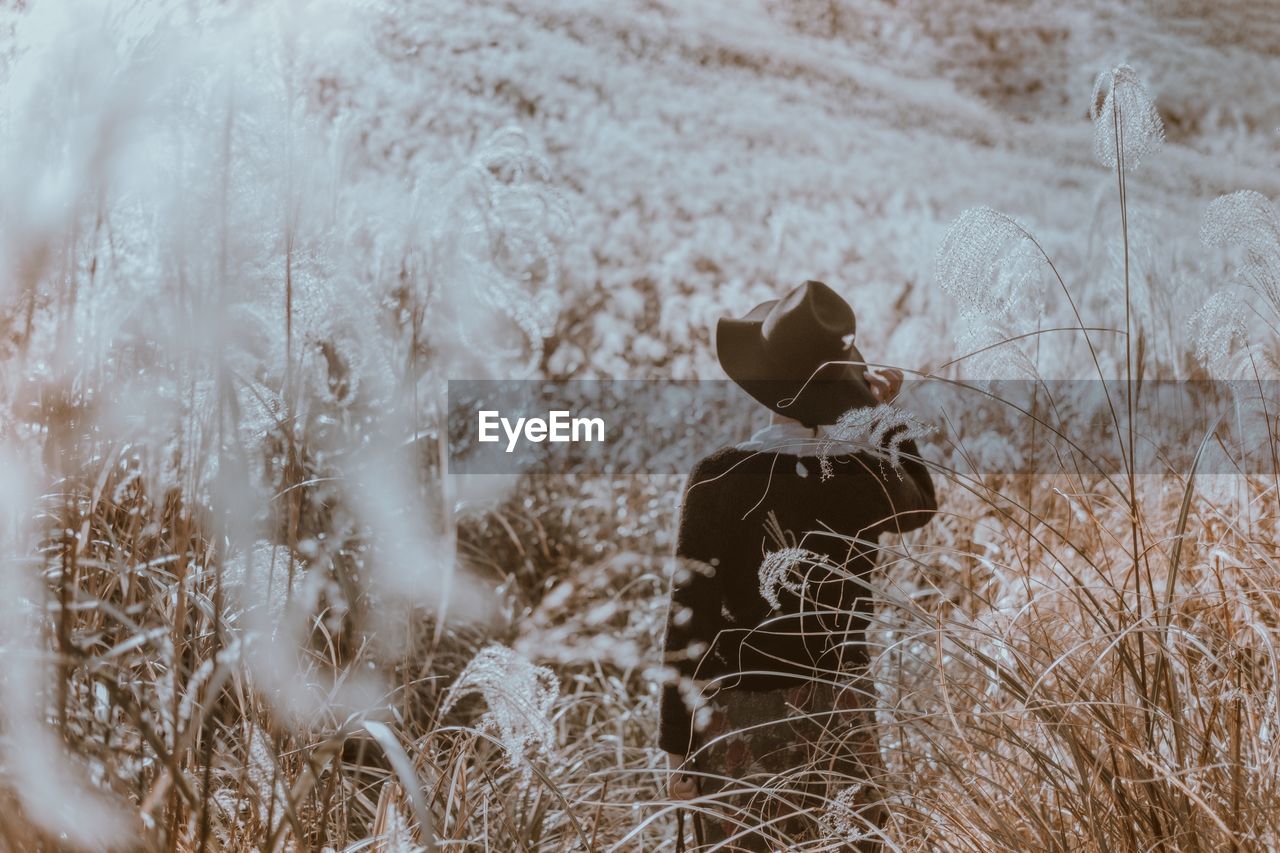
<point>821,522</point>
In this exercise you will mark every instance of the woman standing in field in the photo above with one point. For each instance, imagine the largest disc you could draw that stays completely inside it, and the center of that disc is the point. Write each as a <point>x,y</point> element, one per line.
<point>770,721</point>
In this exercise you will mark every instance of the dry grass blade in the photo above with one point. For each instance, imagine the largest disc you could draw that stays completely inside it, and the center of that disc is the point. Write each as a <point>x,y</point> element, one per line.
<point>408,777</point>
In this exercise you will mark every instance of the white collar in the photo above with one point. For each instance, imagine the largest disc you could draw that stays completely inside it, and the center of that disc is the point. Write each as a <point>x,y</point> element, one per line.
<point>792,438</point>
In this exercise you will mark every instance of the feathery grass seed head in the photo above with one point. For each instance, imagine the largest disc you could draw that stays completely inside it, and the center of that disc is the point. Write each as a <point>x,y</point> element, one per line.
<point>779,570</point>
<point>1126,123</point>
<point>1248,220</point>
<point>881,429</point>
<point>992,266</point>
<point>1220,333</point>
<point>841,818</point>
<point>519,696</point>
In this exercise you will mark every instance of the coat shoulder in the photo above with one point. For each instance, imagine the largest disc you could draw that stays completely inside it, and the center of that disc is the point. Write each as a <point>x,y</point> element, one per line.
<point>718,463</point>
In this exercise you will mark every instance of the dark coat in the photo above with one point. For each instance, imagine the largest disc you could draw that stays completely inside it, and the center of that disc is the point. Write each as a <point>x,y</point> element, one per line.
<point>719,626</point>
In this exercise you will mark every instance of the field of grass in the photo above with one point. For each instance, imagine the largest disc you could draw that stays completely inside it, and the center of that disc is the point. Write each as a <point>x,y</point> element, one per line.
<point>245,245</point>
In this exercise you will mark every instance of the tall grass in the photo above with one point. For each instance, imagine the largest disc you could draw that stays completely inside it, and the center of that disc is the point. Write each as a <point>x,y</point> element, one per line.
<point>241,607</point>
<point>1076,662</point>
<point>230,560</point>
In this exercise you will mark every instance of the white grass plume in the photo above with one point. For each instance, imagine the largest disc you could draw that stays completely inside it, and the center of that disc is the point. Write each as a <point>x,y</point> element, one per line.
<point>1235,330</point>
<point>1221,335</point>
<point>992,266</point>
<point>1247,220</point>
<point>881,429</point>
<point>1126,123</point>
<point>780,570</point>
<point>519,696</point>
<point>841,818</point>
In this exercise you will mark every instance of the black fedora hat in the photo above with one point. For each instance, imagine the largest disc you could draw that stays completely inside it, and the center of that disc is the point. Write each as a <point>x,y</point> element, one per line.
<point>796,355</point>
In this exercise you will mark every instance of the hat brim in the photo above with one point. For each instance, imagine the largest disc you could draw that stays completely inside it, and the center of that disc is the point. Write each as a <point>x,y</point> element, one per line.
<point>829,391</point>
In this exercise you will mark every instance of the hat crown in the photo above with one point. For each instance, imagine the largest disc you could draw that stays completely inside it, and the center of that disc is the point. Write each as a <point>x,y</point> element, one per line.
<point>796,355</point>
<point>812,320</point>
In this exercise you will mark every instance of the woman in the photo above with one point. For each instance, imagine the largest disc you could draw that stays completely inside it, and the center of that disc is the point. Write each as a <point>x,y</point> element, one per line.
<point>767,608</point>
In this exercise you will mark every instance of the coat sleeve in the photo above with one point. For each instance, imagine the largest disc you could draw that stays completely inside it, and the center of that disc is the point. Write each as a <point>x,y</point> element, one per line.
<point>888,498</point>
<point>880,498</point>
<point>693,619</point>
